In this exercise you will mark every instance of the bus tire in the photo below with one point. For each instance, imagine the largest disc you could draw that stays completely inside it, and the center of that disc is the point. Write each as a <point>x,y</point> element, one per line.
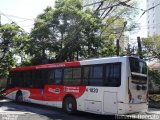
<point>70,105</point>
<point>19,97</point>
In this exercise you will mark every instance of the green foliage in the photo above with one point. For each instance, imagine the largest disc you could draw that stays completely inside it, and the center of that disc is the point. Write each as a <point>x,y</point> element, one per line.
<point>155,76</point>
<point>69,32</point>
<point>152,47</point>
<point>12,43</point>
<point>154,98</point>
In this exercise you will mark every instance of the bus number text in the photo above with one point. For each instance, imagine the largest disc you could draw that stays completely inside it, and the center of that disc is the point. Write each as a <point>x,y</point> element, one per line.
<point>92,90</point>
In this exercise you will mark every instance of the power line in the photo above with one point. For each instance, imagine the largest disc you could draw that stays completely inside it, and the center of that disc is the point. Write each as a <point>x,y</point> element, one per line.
<point>28,25</point>
<point>6,16</point>
<point>127,5</point>
<point>11,20</point>
<point>21,21</point>
<point>149,9</point>
<point>144,11</point>
<point>0,20</point>
<point>124,3</point>
<point>13,16</point>
<point>94,3</point>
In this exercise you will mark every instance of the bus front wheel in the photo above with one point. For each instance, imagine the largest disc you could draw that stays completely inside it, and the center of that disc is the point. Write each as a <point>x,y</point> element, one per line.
<point>70,105</point>
<point>19,97</point>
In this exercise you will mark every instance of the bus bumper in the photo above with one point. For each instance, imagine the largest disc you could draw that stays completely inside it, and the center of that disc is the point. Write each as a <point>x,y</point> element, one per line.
<point>132,108</point>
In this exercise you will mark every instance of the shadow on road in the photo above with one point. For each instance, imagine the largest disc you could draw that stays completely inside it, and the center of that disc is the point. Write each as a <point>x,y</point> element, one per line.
<point>40,112</point>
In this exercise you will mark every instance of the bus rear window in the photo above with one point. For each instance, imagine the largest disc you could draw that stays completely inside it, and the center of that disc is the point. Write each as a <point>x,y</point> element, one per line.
<point>138,66</point>
<point>139,79</point>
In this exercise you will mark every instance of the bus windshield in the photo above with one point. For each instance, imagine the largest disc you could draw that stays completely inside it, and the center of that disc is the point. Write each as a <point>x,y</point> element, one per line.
<point>138,66</point>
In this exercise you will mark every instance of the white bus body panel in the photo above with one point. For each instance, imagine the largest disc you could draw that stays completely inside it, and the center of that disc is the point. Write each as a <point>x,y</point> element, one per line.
<point>106,100</point>
<point>110,102</point>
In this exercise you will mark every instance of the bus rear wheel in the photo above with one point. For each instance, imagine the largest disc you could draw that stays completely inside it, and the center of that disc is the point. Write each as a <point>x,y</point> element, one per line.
<point>19,97</point>
<point>70,105</point>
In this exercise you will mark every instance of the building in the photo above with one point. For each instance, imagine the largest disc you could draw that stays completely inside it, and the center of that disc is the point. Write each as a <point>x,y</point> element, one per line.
<point>153,18</point>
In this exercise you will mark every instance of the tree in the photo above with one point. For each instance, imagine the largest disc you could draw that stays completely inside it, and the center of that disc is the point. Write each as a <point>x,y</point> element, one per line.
<point>151,47</point>
<point>151,51</point>
<point>70,32</point>
<point>12,43</point>
<point>61,31</point>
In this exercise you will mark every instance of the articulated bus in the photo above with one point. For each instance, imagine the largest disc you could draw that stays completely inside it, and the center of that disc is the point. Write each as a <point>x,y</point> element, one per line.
<point>108,86</point>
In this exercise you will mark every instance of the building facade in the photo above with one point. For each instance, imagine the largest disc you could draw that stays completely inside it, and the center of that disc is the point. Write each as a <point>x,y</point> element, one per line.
<point>153,18</point>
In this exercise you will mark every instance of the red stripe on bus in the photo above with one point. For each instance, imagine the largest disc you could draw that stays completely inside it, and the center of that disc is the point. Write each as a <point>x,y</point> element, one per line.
<point>54,65</point>
<point>50,93</point>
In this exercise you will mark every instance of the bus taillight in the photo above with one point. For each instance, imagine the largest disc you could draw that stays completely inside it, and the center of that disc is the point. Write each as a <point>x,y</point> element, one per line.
<point>147,97</point>
<point>129,95</point>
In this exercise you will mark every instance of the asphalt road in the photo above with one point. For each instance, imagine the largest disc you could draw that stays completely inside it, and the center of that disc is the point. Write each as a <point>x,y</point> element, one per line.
<point>10,110</point>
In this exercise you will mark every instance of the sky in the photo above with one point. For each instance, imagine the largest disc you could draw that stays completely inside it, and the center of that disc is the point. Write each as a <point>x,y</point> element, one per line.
<point>142,21</point>
<point>29,9</point>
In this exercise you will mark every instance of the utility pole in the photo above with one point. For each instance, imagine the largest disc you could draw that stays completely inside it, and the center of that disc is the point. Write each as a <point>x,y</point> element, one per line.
<point>128,49</point>
<point>117,42</point>
<point>117,47</point>
<point>139,48</point>
<point>0,20</point>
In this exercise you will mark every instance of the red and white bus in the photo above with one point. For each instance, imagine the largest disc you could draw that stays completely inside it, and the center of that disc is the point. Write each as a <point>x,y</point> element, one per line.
<point>115,85</point>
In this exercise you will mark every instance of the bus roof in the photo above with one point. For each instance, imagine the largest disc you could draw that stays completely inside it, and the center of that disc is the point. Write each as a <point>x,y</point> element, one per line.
<point>53,65</point>
<point>69,64</point>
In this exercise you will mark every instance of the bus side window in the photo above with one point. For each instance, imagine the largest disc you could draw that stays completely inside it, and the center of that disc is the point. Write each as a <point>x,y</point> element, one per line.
<point>44,78</point>
<point>18,79</point>
<point>34,79</point>
<point>96,75</point>
<point>76,74</point>
<point>72,76</point>
<point>38,79</point>
<point>67,76</point>
<point>51,77</point>
<point>55,76</point>
<point>86,74</point>
<point>12,78</point>
<point>27,79</point>
<point>58,76</point>
<point>112,75</point>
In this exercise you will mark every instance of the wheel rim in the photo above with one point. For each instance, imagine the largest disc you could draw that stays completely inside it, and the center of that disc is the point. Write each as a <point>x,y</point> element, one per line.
<point>69,107</point>
<point>20,99</point>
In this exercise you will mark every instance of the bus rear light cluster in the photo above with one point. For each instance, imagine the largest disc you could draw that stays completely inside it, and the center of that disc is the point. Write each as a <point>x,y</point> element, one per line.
<point>129,95</point>
<point>144,87</point>
<point>139,87</point>
<point>147,97</point>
